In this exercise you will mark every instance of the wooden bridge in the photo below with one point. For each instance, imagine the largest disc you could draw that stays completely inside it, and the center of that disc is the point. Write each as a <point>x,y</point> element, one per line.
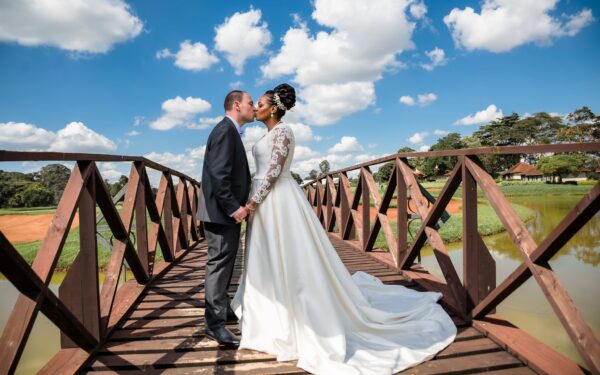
<point>154,323</point>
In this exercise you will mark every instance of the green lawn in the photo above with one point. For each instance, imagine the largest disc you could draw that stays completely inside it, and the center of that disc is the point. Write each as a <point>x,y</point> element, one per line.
<point>27,211</point>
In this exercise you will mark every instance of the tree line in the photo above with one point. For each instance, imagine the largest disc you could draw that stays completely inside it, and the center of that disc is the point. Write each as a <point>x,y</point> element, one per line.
<point>582,125</point>
<point>41,188</point>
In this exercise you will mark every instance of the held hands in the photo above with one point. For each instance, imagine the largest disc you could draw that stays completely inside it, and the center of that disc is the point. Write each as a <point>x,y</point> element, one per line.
<point>250,208</point>
<point>240,214</point>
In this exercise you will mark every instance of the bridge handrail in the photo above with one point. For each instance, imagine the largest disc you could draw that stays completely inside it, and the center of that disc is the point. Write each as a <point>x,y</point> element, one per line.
<point>337,207</point>
<point>85,314</point>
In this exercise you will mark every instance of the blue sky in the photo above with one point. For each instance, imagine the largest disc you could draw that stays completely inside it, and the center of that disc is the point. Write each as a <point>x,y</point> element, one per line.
<point>148,77</point>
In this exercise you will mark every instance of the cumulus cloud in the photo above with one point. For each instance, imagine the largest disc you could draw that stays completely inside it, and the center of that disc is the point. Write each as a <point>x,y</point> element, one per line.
<point>437,57</point>
<point>75,137</point>
<point>440,132</point>
<point>362,42</point>
<point>133,133</point>
<point>79,26</point>
<point>345,145</point>
<point>303,134</point>
<point>198,152</point>
<point>304,152</point>
<point>194,57</point>
<point>422,99</point>
<point>204,123</point>
<point>408,100</point>
<point>418,10</point>
<point>19,136</point>
<point>418,138</point>
<point>179,112</point>
<point>182,162</point>
<point>241,37</point>
<point>424,148</point>
<point>491,113</point>
<point>252,134</point>
<point>503,25</point>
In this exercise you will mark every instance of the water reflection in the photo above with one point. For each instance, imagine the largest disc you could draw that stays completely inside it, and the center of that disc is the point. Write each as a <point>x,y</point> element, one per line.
<point>576,266</point>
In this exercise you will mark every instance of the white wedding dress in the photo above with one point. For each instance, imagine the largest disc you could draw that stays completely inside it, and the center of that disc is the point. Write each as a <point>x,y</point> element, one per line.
<point>297,301</point>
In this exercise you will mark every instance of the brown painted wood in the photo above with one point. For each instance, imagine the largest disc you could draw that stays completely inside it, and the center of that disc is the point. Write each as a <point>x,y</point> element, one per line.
<point>574,323</point>
<point>22,317</point>
<point>66,361</point>
<point>435,240</point>
<point>141,226</point>
<point>564,231</point>
<point>401,215</point>
<point>538,356</point>
<point>79,289</point>
<point>155,207</point>
<point>477,363</point>
<point>479,266</point>
<point>121,227</point>
<point>366,207</point>
<point>434,213</point>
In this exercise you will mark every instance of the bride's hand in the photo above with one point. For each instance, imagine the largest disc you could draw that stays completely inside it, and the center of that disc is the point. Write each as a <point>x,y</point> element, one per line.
<point>250,208</point>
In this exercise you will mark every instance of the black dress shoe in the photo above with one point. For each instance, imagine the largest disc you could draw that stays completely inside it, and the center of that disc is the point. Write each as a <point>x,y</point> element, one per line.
<point>223,336</point>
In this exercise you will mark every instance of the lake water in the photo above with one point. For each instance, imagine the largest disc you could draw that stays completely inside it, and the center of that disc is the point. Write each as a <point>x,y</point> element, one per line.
<point>576,265</point>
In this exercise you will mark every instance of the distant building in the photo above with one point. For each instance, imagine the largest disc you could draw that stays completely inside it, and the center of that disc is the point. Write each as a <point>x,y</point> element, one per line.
<point>522,171</point>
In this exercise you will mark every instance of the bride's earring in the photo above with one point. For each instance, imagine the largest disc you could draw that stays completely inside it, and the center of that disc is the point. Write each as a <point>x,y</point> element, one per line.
<point>271,115</point>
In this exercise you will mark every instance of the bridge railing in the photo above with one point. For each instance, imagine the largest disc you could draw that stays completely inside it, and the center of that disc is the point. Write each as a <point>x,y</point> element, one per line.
<point>338,208</point>
<point>84,313</point>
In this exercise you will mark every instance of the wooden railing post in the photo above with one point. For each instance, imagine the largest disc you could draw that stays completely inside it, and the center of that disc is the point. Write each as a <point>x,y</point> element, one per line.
<point>366,209</point>
<point>79,291</point>
<point>479,268</point>
<point>401,214</point>
<point>141,223</point>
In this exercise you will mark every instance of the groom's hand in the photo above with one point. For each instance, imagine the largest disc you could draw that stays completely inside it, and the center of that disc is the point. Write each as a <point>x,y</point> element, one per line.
<point>240,214</point>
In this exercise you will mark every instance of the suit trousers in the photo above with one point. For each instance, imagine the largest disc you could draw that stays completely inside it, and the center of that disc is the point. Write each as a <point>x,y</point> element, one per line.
<point>223,243</point>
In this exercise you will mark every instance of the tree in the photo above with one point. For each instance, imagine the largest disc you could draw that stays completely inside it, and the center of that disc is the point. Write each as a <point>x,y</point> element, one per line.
<point>297,177</point>
<point>54,177</point>
<point>384,172</point>
<point>11,184</point>
<point>313,174</point>
<point>117,186</point>
<point>36,195</point>
<point>324,166</point>
<point>438,166</point>
<point>585,126</point>
<point>561,165</point>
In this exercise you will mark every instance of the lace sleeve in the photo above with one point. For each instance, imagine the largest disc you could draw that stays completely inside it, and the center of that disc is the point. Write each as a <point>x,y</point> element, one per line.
<point>281,141</point>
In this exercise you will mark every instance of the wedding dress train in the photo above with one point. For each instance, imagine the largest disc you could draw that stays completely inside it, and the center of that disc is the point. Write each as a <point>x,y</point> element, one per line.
<point>297,301</point>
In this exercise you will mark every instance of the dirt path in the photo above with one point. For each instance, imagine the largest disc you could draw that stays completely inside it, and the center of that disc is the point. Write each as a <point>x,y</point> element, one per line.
<point>28,228</point>
<point>453,207</point>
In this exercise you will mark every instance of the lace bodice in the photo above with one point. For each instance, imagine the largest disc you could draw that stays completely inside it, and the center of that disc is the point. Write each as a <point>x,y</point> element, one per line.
<point>273,156</point>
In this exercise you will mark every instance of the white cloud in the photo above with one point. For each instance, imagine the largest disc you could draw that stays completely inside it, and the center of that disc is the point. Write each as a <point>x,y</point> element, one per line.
<point>112,171</point>
<point>236,85</point>
<point>303,134</point>
<point>179,112</point>
<point>327,104</point>
<point>505,24</point>
<point>137,120</point>
<point>133,133</point>
<point>418,10</point>
<point>491,113</point>
<point>440,132</point>
<point>418,138</point>
<point>241,37</point>
<point>18,136</point>
<point>76,137</point>
<point>346,145</point>
<point>79,26</point>
<point>304,152</point>
<point>198,152</point>
<point>204,123</point>
<point>194,57</point>
<point>183,162</point>
<point>424,148</point>
<point>422,99</point>
<point>362,42</point>
<point>408,100</point>
<point>437,57</point>
<point>426,99</point>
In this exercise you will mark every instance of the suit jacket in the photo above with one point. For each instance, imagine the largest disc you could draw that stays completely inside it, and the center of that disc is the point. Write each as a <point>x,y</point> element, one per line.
<point>225,175</point>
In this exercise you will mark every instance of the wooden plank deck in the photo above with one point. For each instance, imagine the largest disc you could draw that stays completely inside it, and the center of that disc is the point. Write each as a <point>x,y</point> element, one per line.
<point>162,332</point>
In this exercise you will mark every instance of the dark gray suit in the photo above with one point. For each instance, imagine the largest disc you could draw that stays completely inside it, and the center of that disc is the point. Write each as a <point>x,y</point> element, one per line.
<point>225,187</point>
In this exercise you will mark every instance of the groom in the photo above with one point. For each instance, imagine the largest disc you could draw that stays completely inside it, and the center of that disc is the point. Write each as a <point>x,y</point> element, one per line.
<point>225,190</point>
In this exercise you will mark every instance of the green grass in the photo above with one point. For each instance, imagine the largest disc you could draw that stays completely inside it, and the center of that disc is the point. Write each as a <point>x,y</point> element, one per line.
<point>27,211</point>
<point>487,223</point>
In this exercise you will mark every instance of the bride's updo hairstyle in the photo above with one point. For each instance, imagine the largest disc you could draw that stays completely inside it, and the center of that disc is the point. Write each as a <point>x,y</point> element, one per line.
<point>283,97</point>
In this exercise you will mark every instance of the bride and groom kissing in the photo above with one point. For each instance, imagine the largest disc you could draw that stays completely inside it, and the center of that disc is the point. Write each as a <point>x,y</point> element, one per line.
<point>296,299</point>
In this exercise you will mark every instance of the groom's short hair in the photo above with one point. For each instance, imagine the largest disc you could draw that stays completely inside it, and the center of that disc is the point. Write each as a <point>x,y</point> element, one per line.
<point>235,95</point>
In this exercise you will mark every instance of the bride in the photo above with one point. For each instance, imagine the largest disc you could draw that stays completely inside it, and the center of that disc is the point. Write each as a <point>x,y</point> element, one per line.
<point>296,299</point>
